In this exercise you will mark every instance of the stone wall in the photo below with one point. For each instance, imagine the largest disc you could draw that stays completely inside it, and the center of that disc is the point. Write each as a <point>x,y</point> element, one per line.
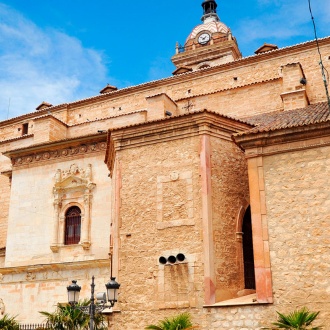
<point>230,193</point>
<point>297,195</point>
<point>235,79</point>
<point>26,291</point>
<point>236,89</point>
<point>159,216</point>
<point>32,213</point>
<point>4,208</point>
<point>160,207</point>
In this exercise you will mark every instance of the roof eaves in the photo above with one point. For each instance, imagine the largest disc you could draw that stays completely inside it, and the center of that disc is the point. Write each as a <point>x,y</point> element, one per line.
<point>110,117</point>
<point>17,138</point>
<point>97,136</point>
<point>168,79</point>
<point>229,88</point>
<point>181,116</point>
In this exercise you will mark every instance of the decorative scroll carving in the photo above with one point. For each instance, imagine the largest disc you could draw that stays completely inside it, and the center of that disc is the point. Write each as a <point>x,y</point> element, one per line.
<point>30,276</point>
<point>73,184</point>
<point>60,153</point>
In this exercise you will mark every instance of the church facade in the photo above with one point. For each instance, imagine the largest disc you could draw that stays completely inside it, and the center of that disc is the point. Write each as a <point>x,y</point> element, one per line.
<point>204,192</point>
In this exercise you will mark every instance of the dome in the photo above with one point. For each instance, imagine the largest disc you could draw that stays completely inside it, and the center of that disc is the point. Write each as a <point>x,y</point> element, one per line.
<point>213,27</point>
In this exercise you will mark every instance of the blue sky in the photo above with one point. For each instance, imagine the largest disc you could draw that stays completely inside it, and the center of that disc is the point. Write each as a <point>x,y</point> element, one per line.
<point>65,50</point>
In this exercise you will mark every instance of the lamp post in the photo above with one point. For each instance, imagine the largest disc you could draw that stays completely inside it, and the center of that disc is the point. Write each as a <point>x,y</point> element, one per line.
<point>112,292</point>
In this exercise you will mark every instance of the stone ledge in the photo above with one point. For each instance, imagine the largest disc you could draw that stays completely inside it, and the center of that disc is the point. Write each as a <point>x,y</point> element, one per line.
<point>250,299</point>
<point>56,266</point>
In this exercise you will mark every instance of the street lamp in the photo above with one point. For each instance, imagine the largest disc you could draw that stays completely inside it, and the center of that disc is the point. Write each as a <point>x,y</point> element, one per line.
<point>112,291</point>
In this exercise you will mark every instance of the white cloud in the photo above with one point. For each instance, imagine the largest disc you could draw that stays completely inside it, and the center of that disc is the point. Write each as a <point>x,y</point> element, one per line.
<point>43,65</point>
<point>284,22</point>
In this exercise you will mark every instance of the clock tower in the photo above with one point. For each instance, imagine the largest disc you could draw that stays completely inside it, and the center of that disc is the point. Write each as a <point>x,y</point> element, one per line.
<point>210,43</point>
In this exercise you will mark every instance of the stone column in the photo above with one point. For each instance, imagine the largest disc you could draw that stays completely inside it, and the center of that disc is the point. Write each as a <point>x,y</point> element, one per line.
<point>260,231</point>
<point>205,171</point>
<point>85,223</point>
<point>57,205</point>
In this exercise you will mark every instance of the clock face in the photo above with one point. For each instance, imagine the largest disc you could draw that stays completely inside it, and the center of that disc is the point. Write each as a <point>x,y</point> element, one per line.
<point>204,38</point>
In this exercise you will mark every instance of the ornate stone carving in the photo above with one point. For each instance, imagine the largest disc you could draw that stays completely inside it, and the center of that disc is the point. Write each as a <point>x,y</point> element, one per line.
<point>30,276</point>
<point>60,153</point>
<point>73,186</point>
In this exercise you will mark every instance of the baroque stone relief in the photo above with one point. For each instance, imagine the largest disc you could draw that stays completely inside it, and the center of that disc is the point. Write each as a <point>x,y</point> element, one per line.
<point>73,177</point>
<point>73,186</point>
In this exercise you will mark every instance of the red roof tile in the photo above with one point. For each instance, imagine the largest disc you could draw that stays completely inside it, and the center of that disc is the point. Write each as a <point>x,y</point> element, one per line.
<point>312,114</point>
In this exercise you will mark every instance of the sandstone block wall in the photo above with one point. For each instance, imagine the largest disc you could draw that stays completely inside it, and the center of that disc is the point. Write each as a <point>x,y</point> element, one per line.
<point>230,193</point>
<point>159,216</point>
<point>236,90</point>
<point>160,202</point>
<point>48,129</point>
<point>4,208</point>
<point>32,212</point>
<point>297,196</point>
<point>28,291</point>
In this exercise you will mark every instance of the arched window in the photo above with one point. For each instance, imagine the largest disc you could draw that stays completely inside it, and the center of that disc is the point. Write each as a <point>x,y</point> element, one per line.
<point>249,276</point>
<point>72,225</point>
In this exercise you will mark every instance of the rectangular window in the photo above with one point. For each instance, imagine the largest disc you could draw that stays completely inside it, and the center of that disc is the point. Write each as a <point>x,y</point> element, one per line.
<point>25,129</point>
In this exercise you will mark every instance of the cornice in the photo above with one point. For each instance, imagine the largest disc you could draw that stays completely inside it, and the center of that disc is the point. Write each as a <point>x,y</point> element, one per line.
<point>229,88</point>
<point>180,127</point>
<point>50,116</point>
<point>17,138</point>
<point>153,130</point>
<point>211,51</point>
<point>57,150</point>
<point>255,59</point>
<point>34,114</point>
<point>96,263</point>
<point>112,117</point>
<point>284,140</point>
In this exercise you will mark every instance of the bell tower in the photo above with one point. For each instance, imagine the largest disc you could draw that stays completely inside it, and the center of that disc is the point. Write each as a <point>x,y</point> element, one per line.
<point>210,43</point>
<point>210,11</point>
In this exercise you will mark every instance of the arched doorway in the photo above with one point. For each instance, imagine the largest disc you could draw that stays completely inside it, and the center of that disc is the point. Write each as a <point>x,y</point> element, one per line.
<point>249,275</point>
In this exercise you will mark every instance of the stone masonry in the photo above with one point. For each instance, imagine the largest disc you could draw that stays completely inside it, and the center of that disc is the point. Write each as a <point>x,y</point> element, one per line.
<point>169,168</point>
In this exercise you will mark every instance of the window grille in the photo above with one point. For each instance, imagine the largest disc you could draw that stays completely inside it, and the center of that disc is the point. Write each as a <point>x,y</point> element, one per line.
<point>72,225</point>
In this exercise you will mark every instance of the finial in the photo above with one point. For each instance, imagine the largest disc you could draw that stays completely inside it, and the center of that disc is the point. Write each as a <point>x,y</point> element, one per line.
<point>210,11</point>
